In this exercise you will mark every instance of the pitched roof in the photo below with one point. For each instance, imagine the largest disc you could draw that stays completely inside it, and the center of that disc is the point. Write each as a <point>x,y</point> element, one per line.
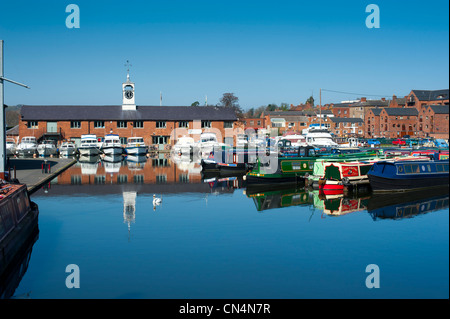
<point>399,111</point>
<point>439,109</point>
<point>431,95</point>
<point>285,113</point>
<point>376,111</point>
<point>346,119</point>
<point>370,103</point>
<point>115,112</point>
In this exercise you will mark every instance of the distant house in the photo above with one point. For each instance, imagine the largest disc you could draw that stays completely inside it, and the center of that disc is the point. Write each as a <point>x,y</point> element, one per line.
<point>347,127</point>
<point>422,98</point>
<point>434,121</point>
<point>283,121</point>
<point>361,108</point>
<point>397,122</point>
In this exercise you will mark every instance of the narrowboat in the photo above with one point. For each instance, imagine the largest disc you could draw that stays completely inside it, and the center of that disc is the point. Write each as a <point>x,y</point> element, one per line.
<point>400,175</point>
<point>230,160</point>
<point>320,163</point>
<point>271,199</point>
<point>18,226</point>
<point>274,169</point>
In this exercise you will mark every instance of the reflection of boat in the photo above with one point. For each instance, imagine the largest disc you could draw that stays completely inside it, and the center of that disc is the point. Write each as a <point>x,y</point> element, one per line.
<point>283,197</point>
<point>27,146</point>
<point>18,231</point>
<point>111,145</point>
<point>47,148</point>
<point>399,175</point>
<point>112,167</point>
<point>89,164</point>
<point>112,158</point>
<point>340,205</point>
<point>89,145</point>
<point>136,162</point>
<point>136,146</point>
<point>67,149</point>
<point>406,205</point>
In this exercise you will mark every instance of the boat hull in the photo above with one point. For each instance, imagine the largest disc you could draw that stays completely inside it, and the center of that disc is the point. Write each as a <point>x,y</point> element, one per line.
<point>112,150</point>
<point>384,184</point>
<point>136,150</point>
<point>89,151</point>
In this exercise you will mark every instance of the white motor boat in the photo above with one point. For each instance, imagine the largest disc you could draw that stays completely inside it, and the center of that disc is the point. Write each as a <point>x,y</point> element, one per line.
<point>297,140</point>
<point>47,148</point>
<point>111,145</point>
<point>11,147</point>
<point>208,141</point>
<point>68,149</point>
<point>320,138</point>
<point>89,145</point>
<point>185,145</point>
<point>136,146</point>
<point>27,146</point>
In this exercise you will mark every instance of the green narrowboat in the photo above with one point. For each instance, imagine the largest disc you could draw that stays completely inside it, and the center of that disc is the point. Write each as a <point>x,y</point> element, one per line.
<point>283,170</point>
<point>279,198</point>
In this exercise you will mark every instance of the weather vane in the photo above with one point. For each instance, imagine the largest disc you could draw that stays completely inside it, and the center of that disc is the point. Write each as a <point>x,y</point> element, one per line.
<point>128,65</point>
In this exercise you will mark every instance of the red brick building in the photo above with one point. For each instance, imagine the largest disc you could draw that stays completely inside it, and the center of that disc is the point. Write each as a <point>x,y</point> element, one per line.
<point>434,121</point>
<point>158,125</point>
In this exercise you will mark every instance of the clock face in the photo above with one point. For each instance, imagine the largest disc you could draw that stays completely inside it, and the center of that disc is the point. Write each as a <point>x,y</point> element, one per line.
<point>129,94</point>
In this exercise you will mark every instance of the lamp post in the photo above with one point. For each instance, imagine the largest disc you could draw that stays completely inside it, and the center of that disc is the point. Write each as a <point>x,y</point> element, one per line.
<point>2,115</point>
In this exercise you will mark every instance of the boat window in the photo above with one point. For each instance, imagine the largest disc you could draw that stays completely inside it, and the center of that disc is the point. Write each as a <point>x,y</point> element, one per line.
<point>429,168</point>
<point>312,152</point>
<point>439,167</point>
<point>408,169</point>
<point>415,168</point>
<point>446,168</point>
<point>302,152</point>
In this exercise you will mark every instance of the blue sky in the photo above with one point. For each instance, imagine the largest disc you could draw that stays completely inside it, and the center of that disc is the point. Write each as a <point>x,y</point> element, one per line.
<point>262,51</point>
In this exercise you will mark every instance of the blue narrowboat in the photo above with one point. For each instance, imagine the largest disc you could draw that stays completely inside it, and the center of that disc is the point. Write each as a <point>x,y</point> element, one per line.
<point>403,175</point>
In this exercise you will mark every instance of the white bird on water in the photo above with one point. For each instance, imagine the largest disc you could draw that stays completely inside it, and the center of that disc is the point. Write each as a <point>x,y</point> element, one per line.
<point>156,200</point>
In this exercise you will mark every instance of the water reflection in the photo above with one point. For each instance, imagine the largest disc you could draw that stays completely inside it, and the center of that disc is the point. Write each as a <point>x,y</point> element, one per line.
<point>166,173</point>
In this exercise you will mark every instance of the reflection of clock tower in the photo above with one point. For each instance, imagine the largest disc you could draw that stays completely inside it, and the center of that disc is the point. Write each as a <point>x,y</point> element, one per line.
<point>128,103</point>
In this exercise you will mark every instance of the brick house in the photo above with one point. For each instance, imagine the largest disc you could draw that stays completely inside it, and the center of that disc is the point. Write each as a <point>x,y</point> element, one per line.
<point>361,108</point>
<point>372,127</point>
<point>397,122</point>
<point>422,98</point>
<point>434,121</point>
<point>256,123</point>
<point>283,121</point>
<point>341,109</point>
<point>347,127</point>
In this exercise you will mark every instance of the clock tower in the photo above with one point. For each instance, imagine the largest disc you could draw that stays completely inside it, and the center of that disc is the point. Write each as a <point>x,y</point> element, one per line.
<point>128,103</point>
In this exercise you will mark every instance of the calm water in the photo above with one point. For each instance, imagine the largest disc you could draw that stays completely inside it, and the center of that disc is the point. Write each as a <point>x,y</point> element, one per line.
<point>211,239</point>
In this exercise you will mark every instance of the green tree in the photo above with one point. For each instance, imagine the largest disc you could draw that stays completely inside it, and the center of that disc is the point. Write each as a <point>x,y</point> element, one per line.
<point>196,103</point>
<point>310,100</point>
<point>231,101</point>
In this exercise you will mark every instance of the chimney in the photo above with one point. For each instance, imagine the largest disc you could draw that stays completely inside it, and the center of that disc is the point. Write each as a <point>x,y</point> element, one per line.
<point>383,99</point>
<point>394,97</point>
<point>363,99</point>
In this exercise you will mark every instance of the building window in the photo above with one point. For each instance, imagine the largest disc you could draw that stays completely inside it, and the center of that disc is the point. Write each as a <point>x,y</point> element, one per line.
<point>161,179</point>
<point>138,179</point>
<point>32,124</point>
<point>184,124</point>
<point>229,124</point>
<point>259,123</point>
<point>99,124</point>
<point>123,140</point>
<point>160,139</point>
<point>75,124</point>
<point>251,123</point>
<point>138,124</point>
<point>206,124</point>
<point>122,179</point>
<point>160,124</point>
<point>184,178</point>
<point>121,124</point>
